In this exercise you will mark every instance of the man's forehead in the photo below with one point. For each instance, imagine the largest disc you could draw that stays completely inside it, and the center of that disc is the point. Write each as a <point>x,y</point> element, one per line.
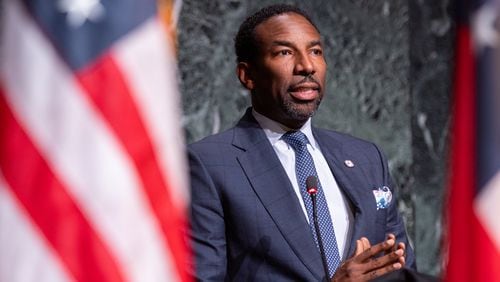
<point>283,26</point>
<point>285,19</point>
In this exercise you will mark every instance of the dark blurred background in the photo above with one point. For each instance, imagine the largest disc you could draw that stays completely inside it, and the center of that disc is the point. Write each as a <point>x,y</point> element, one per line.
<point>389,81</point>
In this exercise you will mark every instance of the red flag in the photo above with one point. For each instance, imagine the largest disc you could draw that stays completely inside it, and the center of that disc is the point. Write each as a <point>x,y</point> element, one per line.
<point>473,234</point>
<point>93,183</point>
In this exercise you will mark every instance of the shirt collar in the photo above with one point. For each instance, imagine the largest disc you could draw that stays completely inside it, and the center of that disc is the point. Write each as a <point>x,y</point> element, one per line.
<point>274,130</point>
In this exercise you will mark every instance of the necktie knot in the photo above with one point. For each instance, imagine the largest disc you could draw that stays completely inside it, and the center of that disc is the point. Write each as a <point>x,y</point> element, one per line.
<point>296,139</point>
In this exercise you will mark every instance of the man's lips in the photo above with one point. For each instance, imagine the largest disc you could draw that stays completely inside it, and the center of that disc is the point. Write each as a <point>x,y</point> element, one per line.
<point>304,91</point>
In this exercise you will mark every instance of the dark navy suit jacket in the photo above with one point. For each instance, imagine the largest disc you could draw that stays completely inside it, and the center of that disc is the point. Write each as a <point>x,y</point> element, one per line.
<point>247,223</point>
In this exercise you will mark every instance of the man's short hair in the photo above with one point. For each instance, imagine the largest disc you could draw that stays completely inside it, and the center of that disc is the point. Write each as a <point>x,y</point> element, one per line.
<point>245,44</point>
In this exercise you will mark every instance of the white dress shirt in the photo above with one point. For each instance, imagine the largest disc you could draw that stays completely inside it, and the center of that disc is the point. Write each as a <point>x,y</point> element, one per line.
<point>340,213</point>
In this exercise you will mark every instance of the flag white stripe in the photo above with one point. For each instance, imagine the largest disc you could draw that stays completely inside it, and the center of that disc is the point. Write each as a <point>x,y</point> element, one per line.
<point>486,207</point>
<point>81,149</point>
<point>23,247</point>
<point>176,12</point>
<point>144,56</point>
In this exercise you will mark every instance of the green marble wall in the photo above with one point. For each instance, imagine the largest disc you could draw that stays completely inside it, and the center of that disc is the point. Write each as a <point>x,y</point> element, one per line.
<point>388,82</point>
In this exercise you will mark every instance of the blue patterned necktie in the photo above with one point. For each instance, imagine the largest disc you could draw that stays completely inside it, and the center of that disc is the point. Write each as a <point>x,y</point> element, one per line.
<point>304,167</point>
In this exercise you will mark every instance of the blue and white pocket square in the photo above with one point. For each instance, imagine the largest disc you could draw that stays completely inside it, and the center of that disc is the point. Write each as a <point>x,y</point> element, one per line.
<point>383,197</point>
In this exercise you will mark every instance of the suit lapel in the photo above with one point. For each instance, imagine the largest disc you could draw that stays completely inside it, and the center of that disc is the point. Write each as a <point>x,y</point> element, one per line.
<point>273,188</point>
<point>351,181</point>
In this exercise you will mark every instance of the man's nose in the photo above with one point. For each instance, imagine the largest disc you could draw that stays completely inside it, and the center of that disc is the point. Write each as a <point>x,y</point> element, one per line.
<point>304,65</point>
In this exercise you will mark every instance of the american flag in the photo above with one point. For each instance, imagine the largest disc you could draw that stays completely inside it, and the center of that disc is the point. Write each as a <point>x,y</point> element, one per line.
<point>93,183</point>
<point>474,202</point>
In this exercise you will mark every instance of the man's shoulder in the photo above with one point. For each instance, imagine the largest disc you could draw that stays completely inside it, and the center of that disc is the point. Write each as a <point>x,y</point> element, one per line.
<point>224,138</point>
<point>245,134</point>
<point>326,135</point>
<point>348,144</point>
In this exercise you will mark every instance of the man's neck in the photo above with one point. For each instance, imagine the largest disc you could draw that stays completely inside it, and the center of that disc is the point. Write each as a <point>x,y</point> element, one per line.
<point>289,126</point>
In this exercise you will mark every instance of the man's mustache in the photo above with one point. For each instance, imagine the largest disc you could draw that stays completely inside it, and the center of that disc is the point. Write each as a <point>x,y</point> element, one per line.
<point>306,79</point>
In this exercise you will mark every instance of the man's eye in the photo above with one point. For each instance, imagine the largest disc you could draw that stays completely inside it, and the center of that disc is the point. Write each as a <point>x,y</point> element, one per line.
<point>317,52</point>
<point>284,52</point>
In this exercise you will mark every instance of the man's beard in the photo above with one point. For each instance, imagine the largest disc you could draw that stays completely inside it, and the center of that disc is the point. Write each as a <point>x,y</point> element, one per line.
<point>295,112</point>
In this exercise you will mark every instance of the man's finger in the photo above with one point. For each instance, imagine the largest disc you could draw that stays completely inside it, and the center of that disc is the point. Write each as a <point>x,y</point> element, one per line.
<point>402,246</point>
<point>402,260</point>
<point>359,248</point>
<point>372,251</point>
<point>391,258</point>
<point>366,243</point>
<point>381,271</point>
<point>393,237</point>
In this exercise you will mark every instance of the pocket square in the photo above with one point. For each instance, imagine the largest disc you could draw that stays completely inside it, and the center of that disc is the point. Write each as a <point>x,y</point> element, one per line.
<point>383,197</point>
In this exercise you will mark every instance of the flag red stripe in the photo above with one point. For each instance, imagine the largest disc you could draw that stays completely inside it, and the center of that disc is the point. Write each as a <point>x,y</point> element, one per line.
<point>50,207</point>
<point>463,165</point>
<point>107,89</point>
<point>485,258</point>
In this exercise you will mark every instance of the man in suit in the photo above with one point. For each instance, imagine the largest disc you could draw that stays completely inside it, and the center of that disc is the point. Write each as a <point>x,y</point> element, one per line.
<point>251,215</point>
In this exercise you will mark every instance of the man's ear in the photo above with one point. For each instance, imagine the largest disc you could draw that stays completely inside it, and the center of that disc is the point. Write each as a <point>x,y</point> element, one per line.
<point>244,73</point>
